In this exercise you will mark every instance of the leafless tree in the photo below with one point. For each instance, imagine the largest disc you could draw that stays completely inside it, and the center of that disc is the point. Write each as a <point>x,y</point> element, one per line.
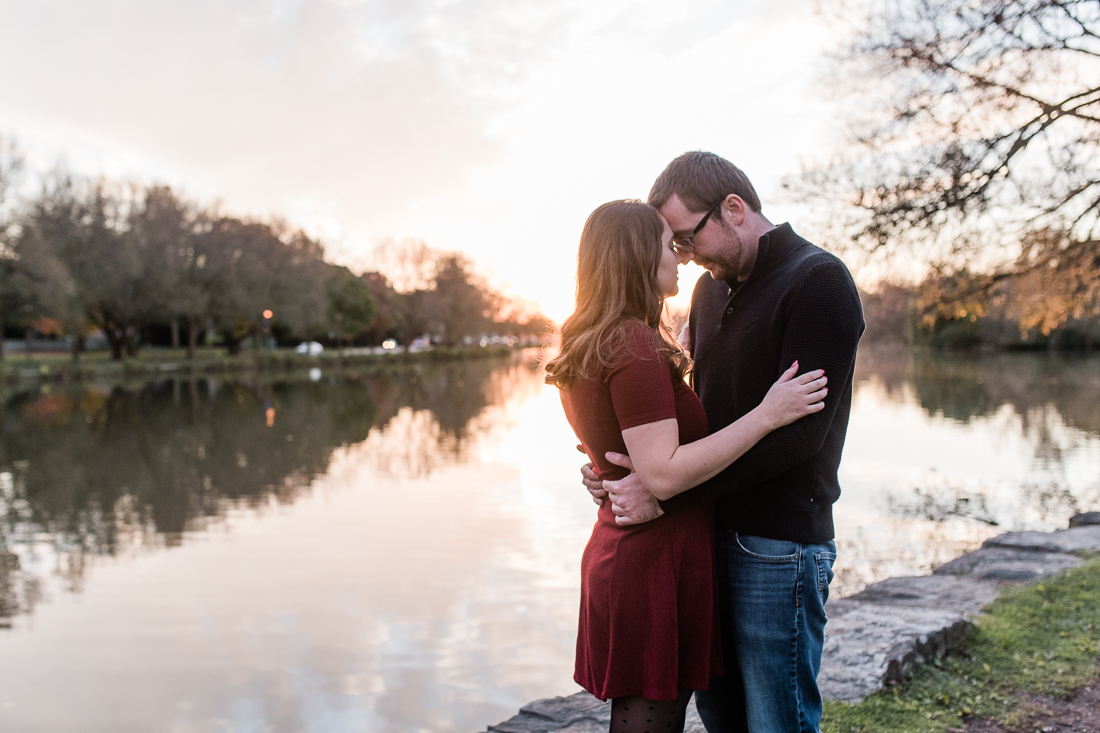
<point>11,165</point>
<point>975,132</point>
<point>172,231</point>
<point>87,265</point>
<point>128,259</point>
<point>409,264</point>
<point>463,304</point>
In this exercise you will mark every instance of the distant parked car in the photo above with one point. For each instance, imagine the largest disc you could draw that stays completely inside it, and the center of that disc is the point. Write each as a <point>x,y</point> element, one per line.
<point>312,348</point>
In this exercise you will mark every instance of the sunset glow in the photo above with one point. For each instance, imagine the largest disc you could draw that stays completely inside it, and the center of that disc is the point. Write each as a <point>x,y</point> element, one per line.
<point>489,127</point>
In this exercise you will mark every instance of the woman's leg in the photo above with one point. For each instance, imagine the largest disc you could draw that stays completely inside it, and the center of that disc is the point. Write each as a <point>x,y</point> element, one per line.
<point>639,714</point>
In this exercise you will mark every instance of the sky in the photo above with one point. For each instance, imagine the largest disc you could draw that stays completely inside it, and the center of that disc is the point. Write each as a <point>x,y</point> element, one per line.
<point>492,127</point>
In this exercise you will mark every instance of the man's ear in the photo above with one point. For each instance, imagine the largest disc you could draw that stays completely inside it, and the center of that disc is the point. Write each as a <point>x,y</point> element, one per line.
<point>737,209</point>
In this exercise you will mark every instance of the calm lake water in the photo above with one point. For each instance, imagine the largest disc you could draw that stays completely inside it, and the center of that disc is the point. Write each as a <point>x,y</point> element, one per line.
<point>400,551</point>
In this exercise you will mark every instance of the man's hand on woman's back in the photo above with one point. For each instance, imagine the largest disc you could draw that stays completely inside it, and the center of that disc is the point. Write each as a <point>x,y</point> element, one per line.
<point>630,500</point>
<point>593,483</point>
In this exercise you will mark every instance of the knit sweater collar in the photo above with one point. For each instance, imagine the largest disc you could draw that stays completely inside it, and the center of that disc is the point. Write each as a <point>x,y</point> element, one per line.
<point>774,247</point>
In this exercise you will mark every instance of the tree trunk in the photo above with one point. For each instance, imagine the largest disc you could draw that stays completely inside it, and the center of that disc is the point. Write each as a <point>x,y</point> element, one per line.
<point>114,339</point>
<point>133,342</point>
<point>78,346</point>
<point>27,342</point>
<point>175,333</point>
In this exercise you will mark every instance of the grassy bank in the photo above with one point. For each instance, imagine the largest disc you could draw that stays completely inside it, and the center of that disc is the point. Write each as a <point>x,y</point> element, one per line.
<point>1038,640</point>
<point>154,363</point>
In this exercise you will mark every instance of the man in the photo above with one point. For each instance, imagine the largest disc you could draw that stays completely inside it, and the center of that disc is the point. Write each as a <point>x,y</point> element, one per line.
<point>770,298</point>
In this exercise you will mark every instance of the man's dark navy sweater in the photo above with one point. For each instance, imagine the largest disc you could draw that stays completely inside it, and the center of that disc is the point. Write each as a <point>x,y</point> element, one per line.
<point>798,303</point>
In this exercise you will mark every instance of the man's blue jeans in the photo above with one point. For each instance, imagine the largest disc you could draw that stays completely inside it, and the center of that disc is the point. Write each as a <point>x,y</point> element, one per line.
<point>772,597</point>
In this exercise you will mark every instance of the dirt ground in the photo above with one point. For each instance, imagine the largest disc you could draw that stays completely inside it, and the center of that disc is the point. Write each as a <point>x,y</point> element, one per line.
<point>1078,713</point>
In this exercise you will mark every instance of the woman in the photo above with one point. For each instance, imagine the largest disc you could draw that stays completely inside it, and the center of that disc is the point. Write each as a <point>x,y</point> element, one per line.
<point>648,634</point>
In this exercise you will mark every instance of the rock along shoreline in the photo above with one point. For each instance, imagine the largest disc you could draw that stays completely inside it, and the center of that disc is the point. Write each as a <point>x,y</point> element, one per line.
<point>880,634</point>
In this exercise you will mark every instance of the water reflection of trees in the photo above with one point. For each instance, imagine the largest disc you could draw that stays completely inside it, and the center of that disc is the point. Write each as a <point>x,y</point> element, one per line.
<point>412,441</point>
<point>430,417</point>
<point>1053,400</point>
<point>901,546</point>
<point>93,471</point>
<point>940,503</point>
<point>1052,502</point>
<point>968,386</point>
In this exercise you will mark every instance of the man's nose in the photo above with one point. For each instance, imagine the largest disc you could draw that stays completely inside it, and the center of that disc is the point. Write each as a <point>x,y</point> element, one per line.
<point>684,257</point>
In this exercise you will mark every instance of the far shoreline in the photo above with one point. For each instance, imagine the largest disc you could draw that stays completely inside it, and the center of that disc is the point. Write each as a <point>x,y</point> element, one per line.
<point>159,364</point>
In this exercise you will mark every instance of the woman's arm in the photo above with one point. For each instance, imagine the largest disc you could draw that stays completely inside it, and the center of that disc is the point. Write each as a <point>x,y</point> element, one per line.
<point>668,468</point>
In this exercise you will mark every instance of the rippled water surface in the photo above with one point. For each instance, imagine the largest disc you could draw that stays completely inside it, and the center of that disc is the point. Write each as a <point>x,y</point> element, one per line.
<point>400,551</point>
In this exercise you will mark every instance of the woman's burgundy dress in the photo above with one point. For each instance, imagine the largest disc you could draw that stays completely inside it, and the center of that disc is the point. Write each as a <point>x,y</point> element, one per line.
<point>648,621</point>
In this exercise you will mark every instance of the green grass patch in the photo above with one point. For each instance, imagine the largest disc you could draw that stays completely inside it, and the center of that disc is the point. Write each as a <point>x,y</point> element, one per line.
<point>1039,639</point>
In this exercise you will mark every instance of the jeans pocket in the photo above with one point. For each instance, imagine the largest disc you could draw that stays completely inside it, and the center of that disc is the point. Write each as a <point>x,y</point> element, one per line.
<point>768,550</point>
<point>824,562</point>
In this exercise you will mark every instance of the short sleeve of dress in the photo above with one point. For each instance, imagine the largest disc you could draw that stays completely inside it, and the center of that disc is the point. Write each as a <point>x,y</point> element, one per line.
<point>641,385</point>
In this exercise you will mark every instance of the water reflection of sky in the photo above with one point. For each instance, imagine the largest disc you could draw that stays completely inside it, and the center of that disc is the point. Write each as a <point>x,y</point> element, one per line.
<point>944,452</point>
<point>426,580</point>
<point>409,559</point>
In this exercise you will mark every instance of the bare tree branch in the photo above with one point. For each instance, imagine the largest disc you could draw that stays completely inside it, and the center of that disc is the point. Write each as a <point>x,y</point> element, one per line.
<point>982,140</point>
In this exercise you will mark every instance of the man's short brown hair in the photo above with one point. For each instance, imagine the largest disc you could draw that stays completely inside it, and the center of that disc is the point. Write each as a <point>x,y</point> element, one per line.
<point>701,180</point>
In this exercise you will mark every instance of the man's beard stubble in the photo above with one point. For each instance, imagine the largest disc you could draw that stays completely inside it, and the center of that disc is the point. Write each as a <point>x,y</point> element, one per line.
<point>728,261</point>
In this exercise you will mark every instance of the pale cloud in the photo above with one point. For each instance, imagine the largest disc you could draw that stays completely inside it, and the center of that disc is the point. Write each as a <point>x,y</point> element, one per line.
<point>378,102</point>
<point>490,126</point>
<point>604,116</point>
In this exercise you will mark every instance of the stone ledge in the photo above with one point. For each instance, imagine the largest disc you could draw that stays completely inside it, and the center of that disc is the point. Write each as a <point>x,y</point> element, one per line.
<point>1077,539</point>
<point>941,592</point>
<point>579,713</point>
<point>1008,565</point>
<point>1084,519</point>
<point>1015,565</point>
<point>873,644</point>
<point>880,634</point>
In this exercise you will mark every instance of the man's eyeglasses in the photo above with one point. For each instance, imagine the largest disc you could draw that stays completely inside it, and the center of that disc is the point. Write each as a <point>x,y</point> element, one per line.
<point>684,244</point>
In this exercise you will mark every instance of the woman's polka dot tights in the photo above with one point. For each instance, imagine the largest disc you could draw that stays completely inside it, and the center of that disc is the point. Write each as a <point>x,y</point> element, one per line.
<point>638,714</point>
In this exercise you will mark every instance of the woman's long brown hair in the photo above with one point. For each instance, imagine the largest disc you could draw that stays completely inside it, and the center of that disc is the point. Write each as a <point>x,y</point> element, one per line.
<point>617,261</point>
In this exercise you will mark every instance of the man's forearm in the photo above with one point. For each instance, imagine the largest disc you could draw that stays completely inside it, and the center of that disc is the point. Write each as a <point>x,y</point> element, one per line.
<point>776,453</point>
<point>792,444</point>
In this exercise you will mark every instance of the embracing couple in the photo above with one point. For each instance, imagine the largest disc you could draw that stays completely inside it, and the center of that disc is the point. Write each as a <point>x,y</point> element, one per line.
<point>709,565</point>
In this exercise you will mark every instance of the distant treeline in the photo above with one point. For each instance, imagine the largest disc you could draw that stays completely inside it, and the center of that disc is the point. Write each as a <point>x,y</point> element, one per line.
<point>1016,314</point>
<point>142,265</point>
